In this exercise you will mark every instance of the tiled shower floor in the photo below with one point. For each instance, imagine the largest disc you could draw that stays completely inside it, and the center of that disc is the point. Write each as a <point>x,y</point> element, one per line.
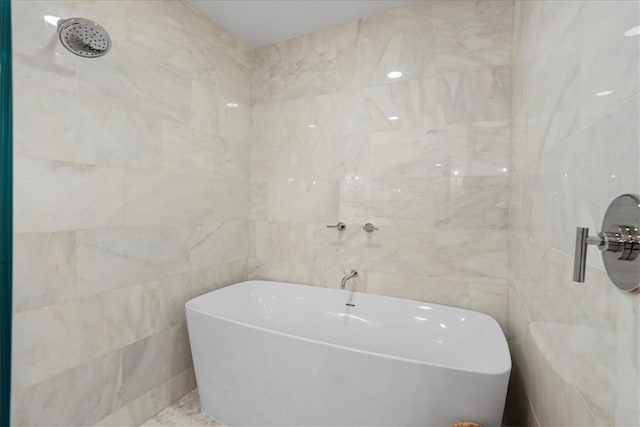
<point>185,412</point>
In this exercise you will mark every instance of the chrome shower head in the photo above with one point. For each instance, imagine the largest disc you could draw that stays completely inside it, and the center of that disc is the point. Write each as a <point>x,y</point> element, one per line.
<point>84,37</point>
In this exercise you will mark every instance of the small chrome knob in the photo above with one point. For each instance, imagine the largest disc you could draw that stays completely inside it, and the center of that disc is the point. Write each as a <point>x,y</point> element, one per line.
<point>369,228</point>
<point>340,226</point>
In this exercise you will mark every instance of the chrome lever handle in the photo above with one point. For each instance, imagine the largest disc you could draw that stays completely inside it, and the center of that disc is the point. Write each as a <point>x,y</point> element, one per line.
<point>619,243</point>
<point>580,260</point>
<point>340,226</point>
<point>625,240</point>
<point>582,241</point>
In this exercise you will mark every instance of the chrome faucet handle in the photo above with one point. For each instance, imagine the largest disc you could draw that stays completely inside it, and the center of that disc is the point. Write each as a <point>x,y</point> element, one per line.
<point>369,228</point>
<point>619,243</point>
<point>622,240</point>
<point>340,226</point>
<point>580,262</point>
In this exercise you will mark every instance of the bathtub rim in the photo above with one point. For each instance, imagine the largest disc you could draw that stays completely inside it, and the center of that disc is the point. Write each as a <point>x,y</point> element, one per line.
<point>506,370</point>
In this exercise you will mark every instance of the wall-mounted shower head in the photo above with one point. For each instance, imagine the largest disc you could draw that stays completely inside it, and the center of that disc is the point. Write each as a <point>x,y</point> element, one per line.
<point>84,37</point>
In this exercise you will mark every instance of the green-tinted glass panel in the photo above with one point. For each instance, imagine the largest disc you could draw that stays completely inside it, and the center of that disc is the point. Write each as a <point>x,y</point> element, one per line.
<point>6,229</point>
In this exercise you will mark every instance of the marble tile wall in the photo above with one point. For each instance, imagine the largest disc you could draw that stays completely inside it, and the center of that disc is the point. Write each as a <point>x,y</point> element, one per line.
<point>131,197</point>
<point>138,187</point>
<point>575,345</point>
<point>435,181</point>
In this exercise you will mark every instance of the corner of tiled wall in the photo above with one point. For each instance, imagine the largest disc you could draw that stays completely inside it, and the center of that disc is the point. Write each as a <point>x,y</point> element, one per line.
<point>434,181</point>
<point>575,147</point>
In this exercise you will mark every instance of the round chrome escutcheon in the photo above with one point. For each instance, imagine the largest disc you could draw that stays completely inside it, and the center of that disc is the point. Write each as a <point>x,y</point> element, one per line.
<point>623,218</point>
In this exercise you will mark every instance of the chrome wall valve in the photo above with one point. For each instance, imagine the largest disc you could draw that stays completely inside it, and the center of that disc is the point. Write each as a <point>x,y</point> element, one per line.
<point>619,243</point>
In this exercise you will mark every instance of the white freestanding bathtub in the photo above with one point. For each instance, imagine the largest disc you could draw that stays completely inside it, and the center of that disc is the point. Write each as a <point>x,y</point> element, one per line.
<point>271,353</point>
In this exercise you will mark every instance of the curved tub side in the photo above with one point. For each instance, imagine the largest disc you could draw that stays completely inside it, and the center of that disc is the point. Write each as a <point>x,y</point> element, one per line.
<point>248,376</point>
<point>372,325</point>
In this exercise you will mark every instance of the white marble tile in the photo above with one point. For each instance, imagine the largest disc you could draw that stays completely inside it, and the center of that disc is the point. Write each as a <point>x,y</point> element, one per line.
<point>352,156</point>
<point>243,55</point>
<point>217,242</point>
<point>554,399</point>
<point>188,152</point>
<point>407,154</point>
<point>489,147</point>
<point>107,259</point>
<point>37,54</point>
<point>148,363</point>
<point>591,317</point>
<point>480,94</point>
<point>563,197</point>
<point>568,147</point>
<point>313,75</point>
<point>489,28</point>
<point>215,113</point>
<point>153,199</point>
<point>280,271</point>
<point>149,404</point>
<point>58,196</point>
<point>203,106</point>
<point>452,104</point>
<point>354,248</point>
<point>472,202</point>
<point>123,78</point>
<point>552,102</point>
<point>123,137</point>
<point>480,148</point>
<point>44,268</point>
<point>176,70</point>
<point>414,286</point>
<point>493,56</point>
<point>210,278</point>
<point>37,350</point>
<point>231,81</point>
<point>258,203</point>
<point>80,396</point>
<point>132,313</point>
<point>608,59</point>
<point>368,64</point>
<point>420,253</point>
<point>284,242</point>
<point>174,291</point>
<point>302,201</point>
<point>406,199</point>
<point>544,275</point>
<point>156,198</point>
<point>461,252</point>
<point>173,36</point>
<point>308,158</point>
<point>422,104</point>
<point>105,144</point>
